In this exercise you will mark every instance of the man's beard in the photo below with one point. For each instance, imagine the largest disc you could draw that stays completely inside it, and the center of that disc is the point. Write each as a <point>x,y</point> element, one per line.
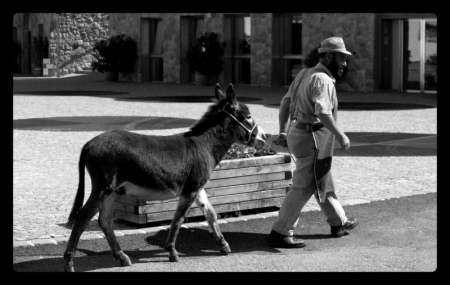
<point>333,67</point>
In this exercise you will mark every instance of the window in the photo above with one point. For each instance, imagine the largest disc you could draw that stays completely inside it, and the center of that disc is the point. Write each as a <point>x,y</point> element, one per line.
<point>191,27</point>
<point>40,30</point>
<point>409,55</point>
<point>237,51</point>
<point>152,34</point>
<point>420,55</point>
<point>287,48</point>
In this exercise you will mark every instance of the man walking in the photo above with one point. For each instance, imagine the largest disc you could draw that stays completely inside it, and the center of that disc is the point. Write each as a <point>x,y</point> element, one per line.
<point>311,105</point>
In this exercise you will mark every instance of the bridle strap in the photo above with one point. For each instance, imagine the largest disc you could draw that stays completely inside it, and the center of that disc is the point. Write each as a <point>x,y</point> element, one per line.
<point>242,125</point>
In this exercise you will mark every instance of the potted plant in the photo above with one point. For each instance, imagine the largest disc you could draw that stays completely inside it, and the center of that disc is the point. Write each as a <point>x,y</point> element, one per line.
<point>114,55</point>
<point>40,51</point>
<point>205,57</point>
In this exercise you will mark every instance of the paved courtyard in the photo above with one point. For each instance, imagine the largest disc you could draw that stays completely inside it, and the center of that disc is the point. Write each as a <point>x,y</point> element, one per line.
<point>393,154</point>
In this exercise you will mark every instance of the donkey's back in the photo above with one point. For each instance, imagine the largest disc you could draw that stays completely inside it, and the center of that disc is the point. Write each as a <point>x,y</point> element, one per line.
<point>131,161</point>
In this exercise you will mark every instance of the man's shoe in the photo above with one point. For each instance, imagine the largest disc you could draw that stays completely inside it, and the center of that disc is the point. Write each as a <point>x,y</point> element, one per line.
<point>278,240</point>
<point>338,231</point>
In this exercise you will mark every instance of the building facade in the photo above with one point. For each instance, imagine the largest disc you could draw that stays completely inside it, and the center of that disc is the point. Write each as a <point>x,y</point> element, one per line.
<point>390,51</point>
<point>70,36</point>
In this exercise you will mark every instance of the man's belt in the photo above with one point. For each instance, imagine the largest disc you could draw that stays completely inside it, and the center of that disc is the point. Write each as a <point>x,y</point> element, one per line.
<point>307,126</point>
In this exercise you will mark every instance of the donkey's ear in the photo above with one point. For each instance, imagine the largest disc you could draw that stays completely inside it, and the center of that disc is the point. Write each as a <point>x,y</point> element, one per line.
<point>231,96</point>
<point>218,93</point>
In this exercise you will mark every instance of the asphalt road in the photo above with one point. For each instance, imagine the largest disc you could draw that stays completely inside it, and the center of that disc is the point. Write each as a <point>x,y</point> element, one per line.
<point>394,235</point>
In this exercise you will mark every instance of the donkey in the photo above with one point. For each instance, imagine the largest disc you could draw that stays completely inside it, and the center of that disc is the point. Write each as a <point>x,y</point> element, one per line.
<point>159,168</point>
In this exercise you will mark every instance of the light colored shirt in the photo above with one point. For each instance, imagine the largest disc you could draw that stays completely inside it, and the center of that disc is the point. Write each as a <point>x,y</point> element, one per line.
<point>311,93</point>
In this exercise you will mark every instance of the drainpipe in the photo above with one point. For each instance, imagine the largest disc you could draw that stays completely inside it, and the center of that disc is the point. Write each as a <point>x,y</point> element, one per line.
<point>57,45</point>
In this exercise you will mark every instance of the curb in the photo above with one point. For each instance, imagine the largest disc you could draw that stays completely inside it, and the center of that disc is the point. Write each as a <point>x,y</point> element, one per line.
<point>94,236</point>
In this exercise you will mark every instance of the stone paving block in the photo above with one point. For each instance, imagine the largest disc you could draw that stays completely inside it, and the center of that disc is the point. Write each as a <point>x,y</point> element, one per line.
<point>152,229</point>
<point>132,232</point>
<point>354,202</point>
<point>307,208</point>
<point>61,239</point>
<point>90,236</point>
<point>269,214</point>
<point>236,219</point>
<point>254,217</point>
<point>22,243</point>
<point>43,241</point>
<point>45,237</point>
<point>197,225</point>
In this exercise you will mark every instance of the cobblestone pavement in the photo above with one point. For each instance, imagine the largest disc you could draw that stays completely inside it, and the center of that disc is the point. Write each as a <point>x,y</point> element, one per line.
<point>45,174</point>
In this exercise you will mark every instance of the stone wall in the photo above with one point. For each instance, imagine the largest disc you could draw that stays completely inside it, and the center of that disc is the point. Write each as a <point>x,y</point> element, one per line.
<point>78,34</point>
<point>357,30</point>
<point>261,49</point>
<point>171,48</point>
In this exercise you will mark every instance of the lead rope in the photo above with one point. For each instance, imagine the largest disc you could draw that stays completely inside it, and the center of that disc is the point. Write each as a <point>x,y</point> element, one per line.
<point>242,125</point>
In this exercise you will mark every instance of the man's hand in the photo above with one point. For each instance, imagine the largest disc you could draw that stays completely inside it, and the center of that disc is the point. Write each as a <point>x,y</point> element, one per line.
<point>344,141</point>
<point>329,123</point>
<point>281,140</point>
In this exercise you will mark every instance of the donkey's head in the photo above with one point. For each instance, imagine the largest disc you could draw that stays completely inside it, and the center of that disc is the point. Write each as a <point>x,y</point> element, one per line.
<point>247,130</point>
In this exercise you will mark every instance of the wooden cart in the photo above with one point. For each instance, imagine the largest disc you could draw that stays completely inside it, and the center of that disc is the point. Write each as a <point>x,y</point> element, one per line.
<point>235,185</point>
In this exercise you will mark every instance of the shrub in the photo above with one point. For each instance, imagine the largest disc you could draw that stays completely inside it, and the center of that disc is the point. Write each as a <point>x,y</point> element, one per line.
<point>205,55</point>
<point>116,54</point>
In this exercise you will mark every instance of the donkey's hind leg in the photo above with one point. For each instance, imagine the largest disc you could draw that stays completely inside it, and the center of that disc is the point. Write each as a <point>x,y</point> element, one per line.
<point>88,211</point>
<point>210,215</point>
<point>184,203</point>
<point>106,222</point>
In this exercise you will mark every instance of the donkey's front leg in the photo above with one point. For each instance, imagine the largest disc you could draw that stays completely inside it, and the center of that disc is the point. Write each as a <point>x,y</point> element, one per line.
<point>207,209</point>
<point>183,206</point>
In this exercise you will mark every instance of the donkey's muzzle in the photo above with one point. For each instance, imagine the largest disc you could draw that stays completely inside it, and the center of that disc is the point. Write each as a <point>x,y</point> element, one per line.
<point>260,139</point>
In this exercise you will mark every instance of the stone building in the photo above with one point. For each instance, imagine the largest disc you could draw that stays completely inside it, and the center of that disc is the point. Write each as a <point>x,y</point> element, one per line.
<point>390,51</point>
<point>70,35</point>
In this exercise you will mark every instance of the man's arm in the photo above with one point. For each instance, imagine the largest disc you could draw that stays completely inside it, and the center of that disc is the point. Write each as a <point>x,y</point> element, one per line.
<point>283,116</point>
<point>329,123</point>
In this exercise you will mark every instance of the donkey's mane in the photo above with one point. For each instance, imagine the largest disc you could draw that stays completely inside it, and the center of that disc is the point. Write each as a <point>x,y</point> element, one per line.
<point>208,120</point>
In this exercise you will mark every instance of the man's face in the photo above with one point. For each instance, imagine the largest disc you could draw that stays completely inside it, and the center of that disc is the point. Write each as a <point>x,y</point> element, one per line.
<point>338,64</point>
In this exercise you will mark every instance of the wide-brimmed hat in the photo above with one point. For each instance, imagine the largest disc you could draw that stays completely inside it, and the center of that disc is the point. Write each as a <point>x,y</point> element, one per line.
<point>333,44</point>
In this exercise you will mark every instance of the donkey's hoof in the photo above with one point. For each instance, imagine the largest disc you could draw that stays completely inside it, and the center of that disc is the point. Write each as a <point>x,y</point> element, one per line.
<point>125,260</point>
<point>174,258</point>
<point>225,249</point>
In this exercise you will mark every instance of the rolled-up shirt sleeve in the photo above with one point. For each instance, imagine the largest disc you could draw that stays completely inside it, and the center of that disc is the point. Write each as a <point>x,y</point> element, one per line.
<point>322,94</point>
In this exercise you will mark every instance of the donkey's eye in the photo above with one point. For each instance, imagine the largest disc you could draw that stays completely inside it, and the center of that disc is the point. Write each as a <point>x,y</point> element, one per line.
<point>249,117</point>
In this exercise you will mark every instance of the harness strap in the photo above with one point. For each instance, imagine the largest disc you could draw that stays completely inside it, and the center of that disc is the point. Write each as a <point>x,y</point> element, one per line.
<point>242,125</point>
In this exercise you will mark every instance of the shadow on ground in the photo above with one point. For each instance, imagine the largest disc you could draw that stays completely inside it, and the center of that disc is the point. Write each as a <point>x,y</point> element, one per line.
<point>389,144</point>
<point>405,225</point>
<point>101,123</point>
<point>379,144</point>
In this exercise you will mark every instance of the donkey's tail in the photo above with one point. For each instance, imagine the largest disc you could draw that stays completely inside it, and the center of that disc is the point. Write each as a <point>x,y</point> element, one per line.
<point>79,198</point>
